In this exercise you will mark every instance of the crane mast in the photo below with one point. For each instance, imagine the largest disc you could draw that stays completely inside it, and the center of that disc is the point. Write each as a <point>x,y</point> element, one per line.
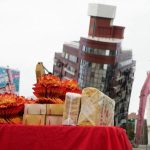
<point>142,105</point>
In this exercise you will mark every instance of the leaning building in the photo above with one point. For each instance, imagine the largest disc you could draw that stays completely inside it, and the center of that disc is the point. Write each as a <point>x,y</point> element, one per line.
<point>99,61</point>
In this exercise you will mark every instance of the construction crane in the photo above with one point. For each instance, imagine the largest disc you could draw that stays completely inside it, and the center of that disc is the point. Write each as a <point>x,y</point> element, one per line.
<point>40,70</point>
<point>142,105</point>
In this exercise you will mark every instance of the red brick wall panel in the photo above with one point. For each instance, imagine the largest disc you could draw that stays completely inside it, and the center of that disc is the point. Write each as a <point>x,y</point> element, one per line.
<point>98,44</point>
<point>98,58</point>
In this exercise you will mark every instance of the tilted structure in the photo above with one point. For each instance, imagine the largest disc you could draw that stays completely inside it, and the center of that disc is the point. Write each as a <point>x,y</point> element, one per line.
<point>99,61</point>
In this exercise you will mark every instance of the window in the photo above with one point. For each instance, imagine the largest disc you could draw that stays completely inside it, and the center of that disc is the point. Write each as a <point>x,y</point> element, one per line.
<point>92,74</point>
<point>55,61</point>
<point>93,65</point>
<point>83,48</point>
<point>88,49</point>
<point>70,69</point>
<point>126,62</point>
<point>66,56</point>
<point>95,51</point>
<point>113,53</point>
<point>73,58</point>
<point>105,66</point>
<point>63,54</point>
<point>107,52</point>
<point>99,51</point>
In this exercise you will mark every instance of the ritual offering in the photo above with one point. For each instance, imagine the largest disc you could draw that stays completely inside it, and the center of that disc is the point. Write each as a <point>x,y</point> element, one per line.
<point>96,108</point>
<point>49,100</point>
<point>53,120</point>
<point>47,86</point>
<point>54,114</point>
<point>17,119</point>
<point>11,104</point>
<point>12,107</point>
<point>34,119</point>
<point>35,109</point>
<point>55,109</point>
<point>69,86</point>
<point>71,108</point>
<point>50,89</point>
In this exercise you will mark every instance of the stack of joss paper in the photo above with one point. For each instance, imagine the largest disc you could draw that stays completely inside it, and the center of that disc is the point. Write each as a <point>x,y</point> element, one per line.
<point>71,108</point>
<point>43,114</point>
<point>96,108</point>
<point>92,108</point>
<point>50,91</point>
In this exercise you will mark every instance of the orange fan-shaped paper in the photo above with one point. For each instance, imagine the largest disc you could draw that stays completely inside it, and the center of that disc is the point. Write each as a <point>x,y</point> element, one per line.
<point>49,101</point>
<point>51,87</point>
<point>11,104</point>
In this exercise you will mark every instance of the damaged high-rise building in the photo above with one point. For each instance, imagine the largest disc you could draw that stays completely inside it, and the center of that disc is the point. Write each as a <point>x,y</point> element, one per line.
<point>99,61</point>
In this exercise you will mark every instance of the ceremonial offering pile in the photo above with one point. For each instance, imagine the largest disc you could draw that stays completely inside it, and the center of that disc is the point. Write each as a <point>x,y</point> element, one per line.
<point>62,102</point>
<point>54,114</point>
<point>43,114</point>
<point>50,89</point>
<point>34,114</point>
<point>11,108</point>
<point>71,108</point>
<point>50,92</point>
<point>96,108</point>
<point>11,104</point>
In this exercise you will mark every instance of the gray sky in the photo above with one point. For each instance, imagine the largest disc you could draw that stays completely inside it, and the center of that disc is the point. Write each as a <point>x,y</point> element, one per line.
<point>32,30</point>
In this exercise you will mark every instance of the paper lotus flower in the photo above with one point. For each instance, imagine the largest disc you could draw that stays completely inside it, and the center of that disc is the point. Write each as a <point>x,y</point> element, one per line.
<point>11,104</point>
<point>49,101</point>
<point>50,86</point>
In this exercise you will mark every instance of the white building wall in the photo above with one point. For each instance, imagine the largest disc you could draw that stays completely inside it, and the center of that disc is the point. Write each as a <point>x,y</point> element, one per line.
<point>101,10</point>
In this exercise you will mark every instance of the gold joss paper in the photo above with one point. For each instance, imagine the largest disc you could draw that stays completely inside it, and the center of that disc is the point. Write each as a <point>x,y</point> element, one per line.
<point>96,108</point>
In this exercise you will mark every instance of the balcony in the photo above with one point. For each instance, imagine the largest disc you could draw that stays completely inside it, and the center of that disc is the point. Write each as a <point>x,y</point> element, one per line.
<point>119,78</point>
<point>58,69</point>
<point>117,88</point>
<point>69,71</point>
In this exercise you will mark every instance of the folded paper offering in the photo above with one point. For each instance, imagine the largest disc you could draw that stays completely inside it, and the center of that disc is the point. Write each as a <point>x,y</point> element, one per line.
<point>96,108</point>
<point>11,120</point>
<point>35,109</point>
<point>54,109</point>
<point>53,120</point>
<point>71,108</point>
<point>34,119</point>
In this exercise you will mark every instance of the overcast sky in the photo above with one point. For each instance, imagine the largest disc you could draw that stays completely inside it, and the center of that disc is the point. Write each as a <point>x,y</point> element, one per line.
<point>32,30</point>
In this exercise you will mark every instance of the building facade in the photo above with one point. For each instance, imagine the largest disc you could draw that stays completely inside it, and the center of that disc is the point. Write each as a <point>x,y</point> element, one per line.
<point>9,80</point>
<point>99,61</point>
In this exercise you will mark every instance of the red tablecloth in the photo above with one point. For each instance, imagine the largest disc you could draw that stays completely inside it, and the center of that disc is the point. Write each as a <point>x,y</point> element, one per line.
<point>19,137</point>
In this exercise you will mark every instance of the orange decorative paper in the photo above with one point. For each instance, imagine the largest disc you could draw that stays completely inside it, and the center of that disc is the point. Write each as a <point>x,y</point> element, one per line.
<point>11,104</point>
<point>49,101</point>
<point>50,89</point>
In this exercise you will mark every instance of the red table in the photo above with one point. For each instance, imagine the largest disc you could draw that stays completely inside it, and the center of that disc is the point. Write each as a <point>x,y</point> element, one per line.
<point>19,137</point>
